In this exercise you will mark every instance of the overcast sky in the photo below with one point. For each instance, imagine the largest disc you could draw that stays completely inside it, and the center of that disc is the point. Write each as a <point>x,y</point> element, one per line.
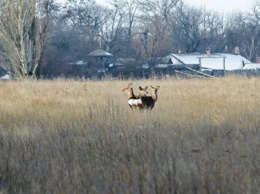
<point>222,6</point>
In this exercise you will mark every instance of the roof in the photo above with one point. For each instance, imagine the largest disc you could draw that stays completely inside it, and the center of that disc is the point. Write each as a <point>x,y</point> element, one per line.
<point>5,74</point>
<point>6,77</point>
<point>213,61</point>
<point>100,53</point>
<point>252,66</point>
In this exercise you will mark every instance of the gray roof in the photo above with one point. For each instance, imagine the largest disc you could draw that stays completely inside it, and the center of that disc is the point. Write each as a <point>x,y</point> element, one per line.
<point>100,53</point>
<point>214,61</point>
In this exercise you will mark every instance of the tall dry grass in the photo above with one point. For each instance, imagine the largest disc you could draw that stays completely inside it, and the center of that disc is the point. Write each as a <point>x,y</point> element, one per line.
<point>68,136</point>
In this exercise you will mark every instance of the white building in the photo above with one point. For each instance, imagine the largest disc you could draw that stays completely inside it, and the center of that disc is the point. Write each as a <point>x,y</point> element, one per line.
<point>216,61</point>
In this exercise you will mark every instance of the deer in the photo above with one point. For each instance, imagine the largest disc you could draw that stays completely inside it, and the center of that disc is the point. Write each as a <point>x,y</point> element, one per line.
<point>142,91</point>
<point>134,102</point>
<point>141,102</point>
<point>148,102</point>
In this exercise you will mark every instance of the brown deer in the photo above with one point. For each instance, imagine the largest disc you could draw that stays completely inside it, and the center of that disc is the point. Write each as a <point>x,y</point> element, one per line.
<point>149,101</point>
<point>133,101</point>
<point>142,91</point>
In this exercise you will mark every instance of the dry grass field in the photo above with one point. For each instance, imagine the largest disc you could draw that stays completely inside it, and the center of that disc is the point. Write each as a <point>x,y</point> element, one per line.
<point>80,136</point>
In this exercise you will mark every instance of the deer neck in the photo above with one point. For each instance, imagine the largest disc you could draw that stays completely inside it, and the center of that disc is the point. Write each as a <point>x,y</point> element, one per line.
<point>131,93</point>
<point>154,96</point>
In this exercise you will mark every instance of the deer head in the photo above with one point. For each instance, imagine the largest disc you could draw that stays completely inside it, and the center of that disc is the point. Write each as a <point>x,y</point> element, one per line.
<point>143,91</point>
<point>154,92</point>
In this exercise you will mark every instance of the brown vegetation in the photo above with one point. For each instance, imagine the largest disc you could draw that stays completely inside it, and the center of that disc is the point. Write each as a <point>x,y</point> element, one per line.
<point>81,137</point>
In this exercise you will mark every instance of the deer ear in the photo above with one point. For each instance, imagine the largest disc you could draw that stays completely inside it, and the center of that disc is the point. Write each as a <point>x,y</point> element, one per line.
<point>145,87</point>
<point>140,88</point>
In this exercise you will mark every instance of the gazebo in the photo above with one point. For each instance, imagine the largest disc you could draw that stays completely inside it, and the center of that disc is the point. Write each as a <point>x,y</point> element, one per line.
<point>100,55</point>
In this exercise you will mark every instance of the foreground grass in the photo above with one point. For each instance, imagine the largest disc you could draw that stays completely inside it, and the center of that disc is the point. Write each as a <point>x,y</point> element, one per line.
<point>203,136</point>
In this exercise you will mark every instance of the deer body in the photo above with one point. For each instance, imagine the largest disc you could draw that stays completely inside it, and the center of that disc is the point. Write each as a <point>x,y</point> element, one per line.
<point>133,101</point>
<point>148,102</point>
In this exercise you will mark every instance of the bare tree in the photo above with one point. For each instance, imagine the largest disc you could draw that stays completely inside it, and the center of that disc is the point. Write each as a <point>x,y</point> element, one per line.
<point>85,15</point>
<point>251,45</point>
<point>195,29</point>
<point>244,31</point>
<point>90,20</point>
<point>186,27</point>
<point>23,30</point>
<point>112,32</point>
<point>129,8</point>
<point>151,38</point>
<point>213,31</point>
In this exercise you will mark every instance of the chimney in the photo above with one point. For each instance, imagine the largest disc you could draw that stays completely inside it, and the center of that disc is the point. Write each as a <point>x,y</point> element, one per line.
<point>208,52</point>
<point>237,50</point>
<point>226,48</point>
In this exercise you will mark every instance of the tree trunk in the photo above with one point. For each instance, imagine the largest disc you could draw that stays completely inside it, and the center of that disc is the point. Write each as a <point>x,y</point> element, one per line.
<point>22,34</point>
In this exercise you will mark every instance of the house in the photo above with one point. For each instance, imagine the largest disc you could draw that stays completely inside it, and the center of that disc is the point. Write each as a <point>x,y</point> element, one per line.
<point>216,61</point>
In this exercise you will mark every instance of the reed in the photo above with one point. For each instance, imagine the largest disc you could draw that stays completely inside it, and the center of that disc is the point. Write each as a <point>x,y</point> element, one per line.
<point>78,136</point>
